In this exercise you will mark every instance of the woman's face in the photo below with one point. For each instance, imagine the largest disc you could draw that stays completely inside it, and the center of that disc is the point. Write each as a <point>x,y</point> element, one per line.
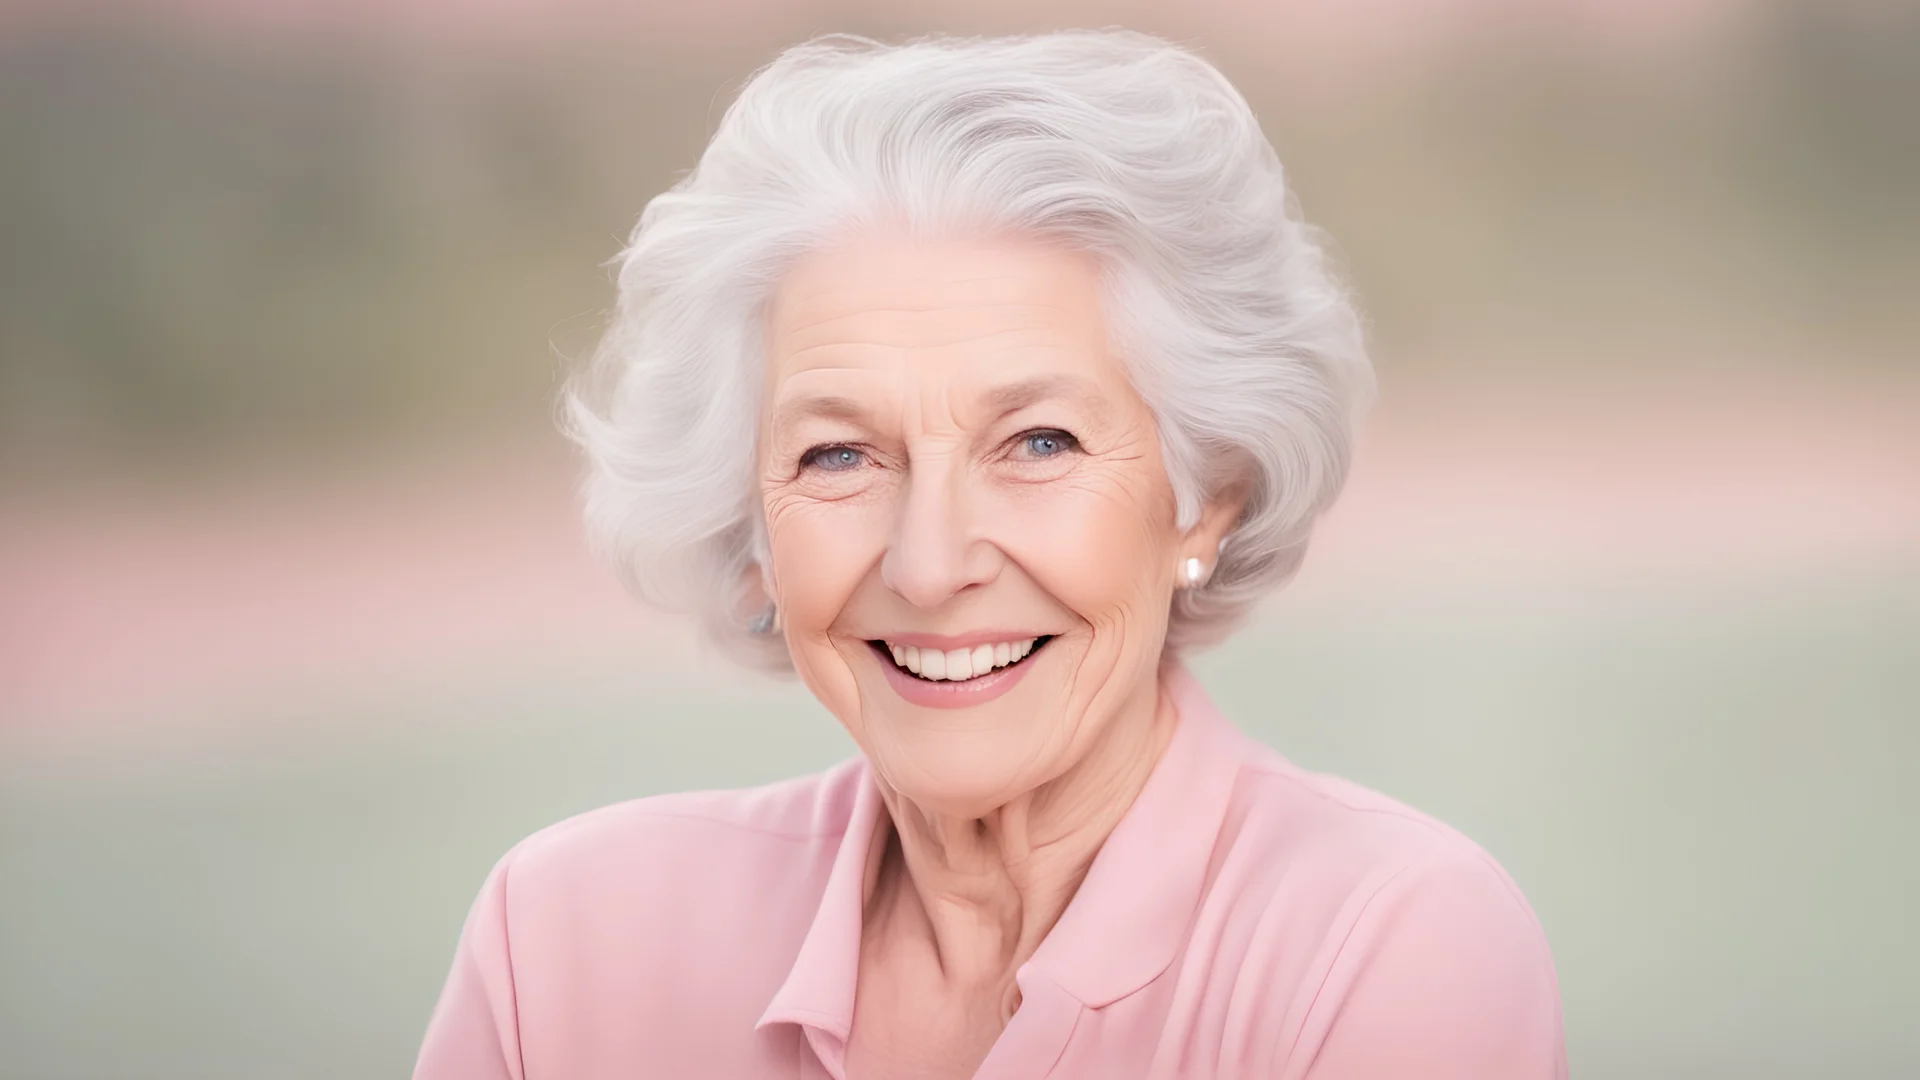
<point>956,469</point>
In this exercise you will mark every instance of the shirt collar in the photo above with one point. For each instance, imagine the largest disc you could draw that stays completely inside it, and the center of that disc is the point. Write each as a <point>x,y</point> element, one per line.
<point>1125,924</point>
<point>818,991</point>
<point>1131,916</point>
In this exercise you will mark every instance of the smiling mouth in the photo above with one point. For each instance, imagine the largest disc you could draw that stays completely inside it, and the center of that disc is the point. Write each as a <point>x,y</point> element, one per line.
<point>979,662</point>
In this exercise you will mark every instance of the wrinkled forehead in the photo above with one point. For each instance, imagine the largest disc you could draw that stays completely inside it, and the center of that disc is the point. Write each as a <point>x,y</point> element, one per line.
<point>984,326</point>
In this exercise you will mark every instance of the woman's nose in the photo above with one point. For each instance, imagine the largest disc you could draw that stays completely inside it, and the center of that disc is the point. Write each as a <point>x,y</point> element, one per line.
<point>935,552</point>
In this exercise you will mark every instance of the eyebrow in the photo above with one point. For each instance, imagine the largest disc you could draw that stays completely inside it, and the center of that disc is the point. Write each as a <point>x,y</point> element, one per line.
<point>1014,396</point>
<point>822,407</point>
<point>1001,401</point>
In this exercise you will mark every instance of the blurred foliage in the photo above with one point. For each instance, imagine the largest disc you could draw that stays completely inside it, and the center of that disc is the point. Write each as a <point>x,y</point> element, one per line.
<point>214,246</point>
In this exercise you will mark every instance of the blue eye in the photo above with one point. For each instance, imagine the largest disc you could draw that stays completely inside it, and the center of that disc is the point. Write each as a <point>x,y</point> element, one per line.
<point>1049,443</point>
<point>833,458</point>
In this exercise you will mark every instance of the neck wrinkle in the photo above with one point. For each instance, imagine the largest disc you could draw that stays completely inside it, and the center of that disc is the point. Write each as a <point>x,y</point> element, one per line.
<point>987,891</point>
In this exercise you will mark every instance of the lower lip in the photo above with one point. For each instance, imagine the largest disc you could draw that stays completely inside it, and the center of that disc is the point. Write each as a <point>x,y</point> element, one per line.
<point>952,695</point>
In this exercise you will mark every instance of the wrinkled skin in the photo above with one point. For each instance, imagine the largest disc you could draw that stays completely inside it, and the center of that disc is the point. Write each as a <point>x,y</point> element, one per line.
<point>950,444</point>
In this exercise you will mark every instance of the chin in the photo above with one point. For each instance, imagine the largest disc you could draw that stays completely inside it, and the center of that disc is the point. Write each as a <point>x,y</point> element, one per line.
<point>960,772</point>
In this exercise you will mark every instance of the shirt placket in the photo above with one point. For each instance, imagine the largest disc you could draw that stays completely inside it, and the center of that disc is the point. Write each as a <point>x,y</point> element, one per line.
<point>1036,1037</point>
<point>825,1057</point>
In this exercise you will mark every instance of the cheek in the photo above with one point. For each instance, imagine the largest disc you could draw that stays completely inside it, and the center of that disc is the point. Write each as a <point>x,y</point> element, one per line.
<point>821,551</point>
<point>1096,541</point>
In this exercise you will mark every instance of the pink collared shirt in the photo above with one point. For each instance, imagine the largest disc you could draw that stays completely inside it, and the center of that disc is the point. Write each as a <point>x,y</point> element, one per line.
<point>1245,919</point>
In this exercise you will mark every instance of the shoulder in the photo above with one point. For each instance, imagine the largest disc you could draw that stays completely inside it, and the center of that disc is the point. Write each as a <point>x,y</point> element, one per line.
<point>659,881</point>
<point>1424,945</point>
<point>1353,839</point>
<point>664,844</point>
<point>675,886</point>
<point>797,811</point>
<point>585,938</point>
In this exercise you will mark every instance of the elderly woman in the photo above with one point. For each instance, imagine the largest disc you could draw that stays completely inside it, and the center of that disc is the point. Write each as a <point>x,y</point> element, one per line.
<point>972,381</point>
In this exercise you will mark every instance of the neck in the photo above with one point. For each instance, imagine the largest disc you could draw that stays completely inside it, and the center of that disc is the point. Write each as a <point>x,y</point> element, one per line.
<point>983,892</point>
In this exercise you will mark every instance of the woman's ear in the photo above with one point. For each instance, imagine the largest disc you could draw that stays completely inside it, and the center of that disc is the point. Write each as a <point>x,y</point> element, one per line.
<point>1217,519</point>
<point>754,589</point>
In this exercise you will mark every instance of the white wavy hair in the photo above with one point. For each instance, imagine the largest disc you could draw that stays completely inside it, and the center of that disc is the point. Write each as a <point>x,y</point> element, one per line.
<point>1232,325</point>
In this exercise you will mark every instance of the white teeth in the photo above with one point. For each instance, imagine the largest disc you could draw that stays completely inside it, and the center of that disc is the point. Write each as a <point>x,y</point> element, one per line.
<point>982,660</point>
<point>956,665</point>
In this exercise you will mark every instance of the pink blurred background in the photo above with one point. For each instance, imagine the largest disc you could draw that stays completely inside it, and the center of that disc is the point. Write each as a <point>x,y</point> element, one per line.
<point>297,630</point>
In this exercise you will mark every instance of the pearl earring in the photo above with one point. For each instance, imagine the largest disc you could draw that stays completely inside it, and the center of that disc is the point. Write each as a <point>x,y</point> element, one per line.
<point>767,622</point>
<point>1193,572</point>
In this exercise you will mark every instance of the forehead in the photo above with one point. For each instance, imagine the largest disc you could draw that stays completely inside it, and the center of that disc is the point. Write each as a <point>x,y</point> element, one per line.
<point>880,316</point>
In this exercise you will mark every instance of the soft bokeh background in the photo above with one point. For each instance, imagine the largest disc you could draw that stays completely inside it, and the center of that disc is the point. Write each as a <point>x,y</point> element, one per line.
<point>297,634</point>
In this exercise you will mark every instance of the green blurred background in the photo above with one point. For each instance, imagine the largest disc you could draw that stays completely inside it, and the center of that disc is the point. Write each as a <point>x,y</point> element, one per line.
<point>296,635</point>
